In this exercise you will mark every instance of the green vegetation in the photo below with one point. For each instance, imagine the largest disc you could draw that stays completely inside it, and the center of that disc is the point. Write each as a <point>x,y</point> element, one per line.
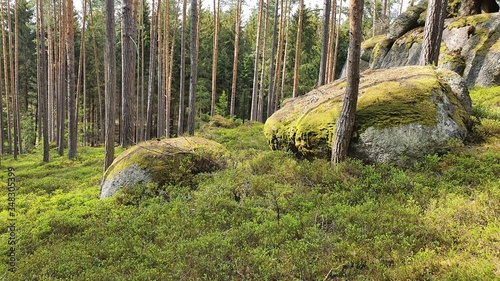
<point>268,216</point>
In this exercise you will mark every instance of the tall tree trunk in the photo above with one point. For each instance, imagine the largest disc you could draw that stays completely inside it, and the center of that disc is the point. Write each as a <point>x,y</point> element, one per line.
<point>279,62</point>
<point>168,98</point>
<point>152,66</point>
<point>61,97</point>
<point>270,93</point>
<point>100,116</point>
<point>129,48</point>
<point>161,75</point>
<point>72,109</point>
<point>18,149</point>
<point>345,122</point>
<point>42,81</point>
<point>194,66</point>
<point>331,45</point>
<point>433,31</point>
<point>6,76</point>
<point>335,55</point>
<point>253,109</point>
<point>215,53</point>
<point>260,105</point>
<point>110,84</point>
<point>285,55</point>
<point>81,73</point>
<point>324,44</point>
<point>182,88</point>
<point>297,51</point>
<point>235,59</point>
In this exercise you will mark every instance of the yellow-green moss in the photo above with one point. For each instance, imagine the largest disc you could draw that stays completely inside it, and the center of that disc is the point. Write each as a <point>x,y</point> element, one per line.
<point>486,96</point>
<point>371,42</point>
<point>469,20</point>
<point>496,47</point>
<point>387,98</point>
<point>172,160</point>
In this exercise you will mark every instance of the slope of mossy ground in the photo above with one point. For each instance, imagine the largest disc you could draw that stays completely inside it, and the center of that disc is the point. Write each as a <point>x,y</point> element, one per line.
<point>266,217</point>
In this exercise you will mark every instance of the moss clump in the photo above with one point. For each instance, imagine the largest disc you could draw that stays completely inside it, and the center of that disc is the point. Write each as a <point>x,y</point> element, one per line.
<point>469,20</point>
<point>171,161</point>
<point>370,43</point>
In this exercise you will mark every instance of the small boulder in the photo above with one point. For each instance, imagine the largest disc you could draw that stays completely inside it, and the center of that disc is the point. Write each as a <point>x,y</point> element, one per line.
<point>169,161</point>
<point>402,112</point>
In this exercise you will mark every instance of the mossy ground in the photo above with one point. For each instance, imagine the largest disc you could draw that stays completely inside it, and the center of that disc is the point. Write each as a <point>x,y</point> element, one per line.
<point>268,216</point>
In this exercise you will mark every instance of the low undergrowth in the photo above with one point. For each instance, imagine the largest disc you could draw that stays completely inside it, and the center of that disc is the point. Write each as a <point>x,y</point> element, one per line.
<point>268,216</point>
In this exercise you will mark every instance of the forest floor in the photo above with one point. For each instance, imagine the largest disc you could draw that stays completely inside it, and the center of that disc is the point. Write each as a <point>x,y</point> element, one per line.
<point>268,216</point>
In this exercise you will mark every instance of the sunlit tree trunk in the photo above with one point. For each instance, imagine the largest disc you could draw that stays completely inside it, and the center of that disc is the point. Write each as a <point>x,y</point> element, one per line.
<point>70,55</point>
<point>168,98</point>
<point>101,114</point>
<point>255,89</point>
<point>335,55</point>
<point>324,44</point>
<point>18,149</point>
<point>42,81</point>
<point>81,73</point>
<point>345,123</point>
<point>270,94</point>
<point>182,88</point>
<point>6,54</point>
<point>279,59</point>
<point>152,67</point>
<point>297,51</point>
<point>433,31</point>
<point>235,59</point>
<point>260,105</point>
<point>194,66</point>
<point>331,45</point>
<point>110,84</point>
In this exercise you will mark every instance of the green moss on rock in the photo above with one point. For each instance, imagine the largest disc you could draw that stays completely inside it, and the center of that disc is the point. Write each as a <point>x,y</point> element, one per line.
<point>387,98</point>
<point>165,162</point>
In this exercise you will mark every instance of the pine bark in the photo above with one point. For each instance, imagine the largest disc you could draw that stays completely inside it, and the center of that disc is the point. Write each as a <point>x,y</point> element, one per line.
<point>433,32</point>
<point>255,88</point>
<point>42,81</point>
<point>324,44</point>
<point>271,86</point>
<point>110,84</point>
<point>345,122</point>
<point>129,49</point>
<point>194,67</point>
<point>182,87</point>
<point>235,59</point>
<point>152,67</point>
<point>70,56</point>
<point>297,51</point>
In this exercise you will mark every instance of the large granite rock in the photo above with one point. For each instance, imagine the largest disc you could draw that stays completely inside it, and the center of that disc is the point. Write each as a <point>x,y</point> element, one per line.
<point>470,47</point>
<point>171,161</point>
<point>402,112</point>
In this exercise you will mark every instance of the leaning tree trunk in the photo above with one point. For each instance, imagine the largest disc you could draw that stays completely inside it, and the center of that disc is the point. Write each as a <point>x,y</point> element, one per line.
<point>345,122</point>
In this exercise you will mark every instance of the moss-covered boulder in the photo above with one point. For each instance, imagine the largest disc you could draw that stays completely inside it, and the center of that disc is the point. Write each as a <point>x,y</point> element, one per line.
<point>402,112</point>
<point>170,161</point>
<point>470,46</point>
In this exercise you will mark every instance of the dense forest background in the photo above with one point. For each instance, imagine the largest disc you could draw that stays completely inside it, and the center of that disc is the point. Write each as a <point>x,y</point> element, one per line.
<point>59,46</point>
